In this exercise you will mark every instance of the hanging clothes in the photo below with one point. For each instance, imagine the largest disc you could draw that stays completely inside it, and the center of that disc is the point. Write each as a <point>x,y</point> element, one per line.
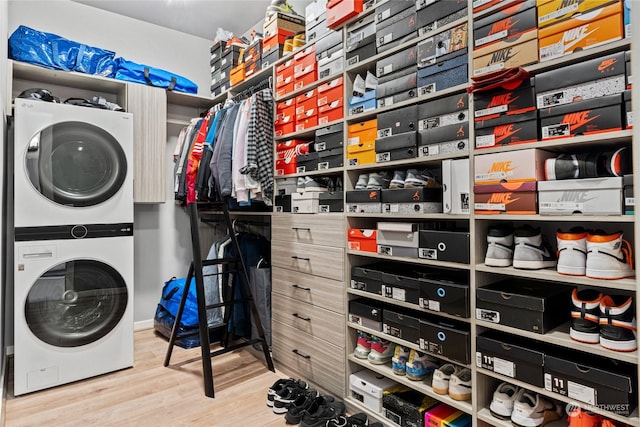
<point>222,152</point>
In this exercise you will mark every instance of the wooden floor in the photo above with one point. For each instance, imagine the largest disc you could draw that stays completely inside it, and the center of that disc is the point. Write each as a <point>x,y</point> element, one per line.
<point>151,395</point>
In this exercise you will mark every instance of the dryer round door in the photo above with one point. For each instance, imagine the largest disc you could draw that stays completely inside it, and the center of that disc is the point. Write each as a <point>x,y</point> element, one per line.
<point>76,303</point>
<point>75,164</point>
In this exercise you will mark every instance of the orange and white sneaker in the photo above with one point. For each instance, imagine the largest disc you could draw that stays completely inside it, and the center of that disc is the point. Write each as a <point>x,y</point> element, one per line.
<point>572,251</point>
<point>580,418</point>
<point>609,256</point>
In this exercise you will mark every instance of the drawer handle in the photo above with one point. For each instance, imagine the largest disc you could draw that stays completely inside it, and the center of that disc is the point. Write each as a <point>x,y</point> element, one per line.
<point>301,228</point>
<point>306,319</point>
<point>300,258</point>
<point>301,288</point>
<point>306,356</point>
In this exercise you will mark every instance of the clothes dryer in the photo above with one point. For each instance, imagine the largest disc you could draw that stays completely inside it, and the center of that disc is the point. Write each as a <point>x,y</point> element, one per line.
<point>73,304</point>
<point>72,165</point>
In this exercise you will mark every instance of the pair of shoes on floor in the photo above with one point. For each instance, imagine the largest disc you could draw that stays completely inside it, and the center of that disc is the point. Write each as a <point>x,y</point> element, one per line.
<point>592,164</point>
<point>525,247</point>
<point>596,254</point>
<point>415,365</point>
<point>320,412</point>
<point>452,380</point>
<point>355,420</point>
<point>283,388</point>
<point>414,178</point>
<point>523,407</point>
<point>608,320</point>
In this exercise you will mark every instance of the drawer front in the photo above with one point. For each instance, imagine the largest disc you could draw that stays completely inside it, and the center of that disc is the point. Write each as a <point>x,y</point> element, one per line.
<point>314,229</point>
<point>311,259</point>
<point>318,291</point>
<point>314,359</point>
<point>316,321</point>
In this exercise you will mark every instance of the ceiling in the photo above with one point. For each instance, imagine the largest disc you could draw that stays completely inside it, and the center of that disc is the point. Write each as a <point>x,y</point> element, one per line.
<point>201,18</point>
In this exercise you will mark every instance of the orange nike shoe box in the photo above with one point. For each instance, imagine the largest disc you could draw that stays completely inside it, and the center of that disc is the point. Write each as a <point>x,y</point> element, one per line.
<point>505,24</point>
<point>286,166</point>
<point>285,126</point>
<point>286,107</point>
<point>331,112</point>
<point>580,32</point>
<point>236,75</point>
<point>304,58</point>
<point>363,240</point>
<point>510,166</point>
<point>305,77</point>
<point>284,73</point>
<point>519,198</point>
<point>285,117</point>
<point>507,130</point>
<point>276,39</point>
<point>339,11</point>
<point>480,5</point>
<point>306,101</point>
<point>361,143</point>
<point>307,119</point>
<point>554,11</point>
<point>330,91</point>
<point>519,51</point>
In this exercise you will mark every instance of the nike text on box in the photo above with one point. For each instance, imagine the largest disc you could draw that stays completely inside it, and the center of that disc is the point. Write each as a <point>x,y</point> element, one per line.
<point>588,196</point>
<point>510,198</point>
<point>507,130</point>
<point>511,166</point>
<point>520,51</point>
<point>500,102</point>
<point>363,240</point>
<point>553,11</point>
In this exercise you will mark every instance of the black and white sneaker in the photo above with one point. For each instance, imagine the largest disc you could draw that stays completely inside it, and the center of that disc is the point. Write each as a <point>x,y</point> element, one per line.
<point>618,323</point>
<point>287,395</point>
<point>297,408</point>
<point>277,387</point>
<point>321,411</point>
<point>532,251</point>
<point>585,316</point>
<point>356,420</point>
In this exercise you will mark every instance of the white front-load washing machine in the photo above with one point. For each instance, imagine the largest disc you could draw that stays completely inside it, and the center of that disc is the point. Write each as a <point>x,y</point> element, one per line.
<point>72,165</point>
<point>73,304</point>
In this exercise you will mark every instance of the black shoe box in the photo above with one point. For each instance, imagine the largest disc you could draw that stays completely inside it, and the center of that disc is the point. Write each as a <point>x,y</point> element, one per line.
<point>401,325</point>
<point>366,313</point>
<point>602,382</point>
<point>329,137</point>
<point>627,60</point>
<point>401,287</point>
<point>364,196</point>
<point>505,24</point>
<point>405,27</point>
<point>217,50</point>
<point>442,245</point>
<point>231,56</point>
<point>329,159</point>
<point>629,200</point>
<point>524,304</point>
<point>446,293</point>
<point>500,102</point>
<point>367,278</point>
<point>328,44</point>
<point>386,14</point>
<point>397,98</point>
<point>511,356</point>
<point>400,81</point>
<point>398,121</point>
<point>436,48</point>
<point>407,408</point>
<point>396,62</point>
<point>360,50</point>
<point>446,337</point>
<point>507,130</point>
<point>307,162</point>
<point>450,70</point>
<point>331,202</point>
<point>582,117</point>
<point>444,134</point>
<point>453,109</point>
<point>411,195</point>
<point>628,112</point>
<point>282,203</point>
<point>271,56</point>
<point>434,15</point>
<point>396,147</point>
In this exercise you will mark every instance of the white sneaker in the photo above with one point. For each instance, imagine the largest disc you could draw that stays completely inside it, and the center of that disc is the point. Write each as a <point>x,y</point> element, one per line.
<point>532,410</point>
<point>609,256</point>
<point>460,385</point>
<point>503,399</point>
<point>315,185</point>
<point>532,251</point>
<point>572,251</point>
<point>379,180</point>
<point>398,179</point>
<point>363,179</point>
<point>499,247</point>
<point>300,184</point>
<point>442,377</point>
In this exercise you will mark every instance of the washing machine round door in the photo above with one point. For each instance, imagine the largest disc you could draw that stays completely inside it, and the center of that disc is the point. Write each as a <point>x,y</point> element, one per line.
<point>75,164</point>
<point>76,303</point>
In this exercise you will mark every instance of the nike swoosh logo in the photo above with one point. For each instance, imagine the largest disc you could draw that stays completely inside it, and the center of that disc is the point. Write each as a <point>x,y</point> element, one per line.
<point>578,40</point>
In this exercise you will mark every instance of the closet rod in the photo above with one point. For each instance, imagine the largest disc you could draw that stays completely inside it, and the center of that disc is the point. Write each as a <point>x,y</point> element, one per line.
<point>264,84</point>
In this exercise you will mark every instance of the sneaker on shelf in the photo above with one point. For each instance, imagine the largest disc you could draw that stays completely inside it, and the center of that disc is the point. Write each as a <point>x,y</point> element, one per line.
<point>503,398</point>
<point>359,86</point>
<point>420,178</point>
<point>379,180</point>
<point>585,316</point>
<point>339,186</point>
<point>533,410</point>
<point>381,351</point>
<point>321,411</point>
<point>420,365</point>
<point>317,185</point>
<point>499,247</point>
<point>276,388</point>
<point>288,395</point>
<point>363,345</point>
<point>363,180</point>
<point>618,323</point>
<point>460,385</point>
<point>398,179</point>
<point>571,166</point>
<point>300,184</point>
<point>299,40</point>
<point>578,417</point>
<point>532,251</point>
<point>280,6</point>
<point>288,46</point>
<point>614,162</point>
<point>609,256</point>
<point>298,407</point>
<point>441,378</point>
<point>371,81</point>
<point>572,251</point>
<point>399,360</point>
<point>355,420</point>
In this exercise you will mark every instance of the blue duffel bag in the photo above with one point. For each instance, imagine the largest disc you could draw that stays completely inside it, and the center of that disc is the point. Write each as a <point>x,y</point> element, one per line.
<point>52,51</point>
<point>130,71</point>
<point>172,294</point>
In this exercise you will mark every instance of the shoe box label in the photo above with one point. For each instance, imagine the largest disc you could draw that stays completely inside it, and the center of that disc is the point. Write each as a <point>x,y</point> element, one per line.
<point>498,132</point>
<point>520,51</point>
<point>398,121</point>
<point>587,196</point>
<point>451,147</point>
<point>629,200</point>
<point>435,14</point>
<point>582,32</point>
<point>452,71</point>
<point>444,111</point>
<point>511,166</point>
<point>554,11</point>
<point>441,134</point>
<point>432,49</point>
<point>396,62</point>
<point>406,26</point>
<point>493,104</point>
<point>582,118</point>
<point>411,208</point>
<point>401,288</point>
<point>450,246</point>
<point>516,198</point>
<point>398,251</point>
<point>505,24</point>
<point>364,207</point>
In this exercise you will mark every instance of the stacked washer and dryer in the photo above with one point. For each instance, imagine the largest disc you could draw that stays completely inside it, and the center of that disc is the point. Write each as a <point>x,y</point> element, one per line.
<point>73,246</point>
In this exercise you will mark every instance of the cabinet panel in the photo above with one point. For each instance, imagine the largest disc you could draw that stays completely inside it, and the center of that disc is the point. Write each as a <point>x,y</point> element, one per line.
<point>316,321</point>
<point>314,290</point>
<point>149,108</point>
<point>317,230</point>
<point>301,257</point>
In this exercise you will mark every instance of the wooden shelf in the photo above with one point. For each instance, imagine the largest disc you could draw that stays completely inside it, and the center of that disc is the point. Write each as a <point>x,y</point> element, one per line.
<point>484,414</point>
<point>407,162</point>
<point>411,260</point>
<point>310,173</point>
<point>557,218</point>
<point>429,217</point>
<point>25,71</point>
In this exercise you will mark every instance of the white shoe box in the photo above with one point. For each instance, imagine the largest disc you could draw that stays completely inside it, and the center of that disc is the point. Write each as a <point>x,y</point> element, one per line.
<point>455,186</point>
<point>588,196</point>
<point>402,234</point>
<point>307,202</point>
<point>368,387</point>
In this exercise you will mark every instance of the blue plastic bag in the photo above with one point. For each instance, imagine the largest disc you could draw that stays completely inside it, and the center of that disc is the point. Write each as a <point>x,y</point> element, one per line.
<point>172,293</point>
<point>139,73</point>
<point>52,51</point>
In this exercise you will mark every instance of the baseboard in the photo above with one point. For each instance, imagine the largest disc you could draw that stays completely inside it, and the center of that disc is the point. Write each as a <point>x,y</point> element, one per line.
<point>142,325</point>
